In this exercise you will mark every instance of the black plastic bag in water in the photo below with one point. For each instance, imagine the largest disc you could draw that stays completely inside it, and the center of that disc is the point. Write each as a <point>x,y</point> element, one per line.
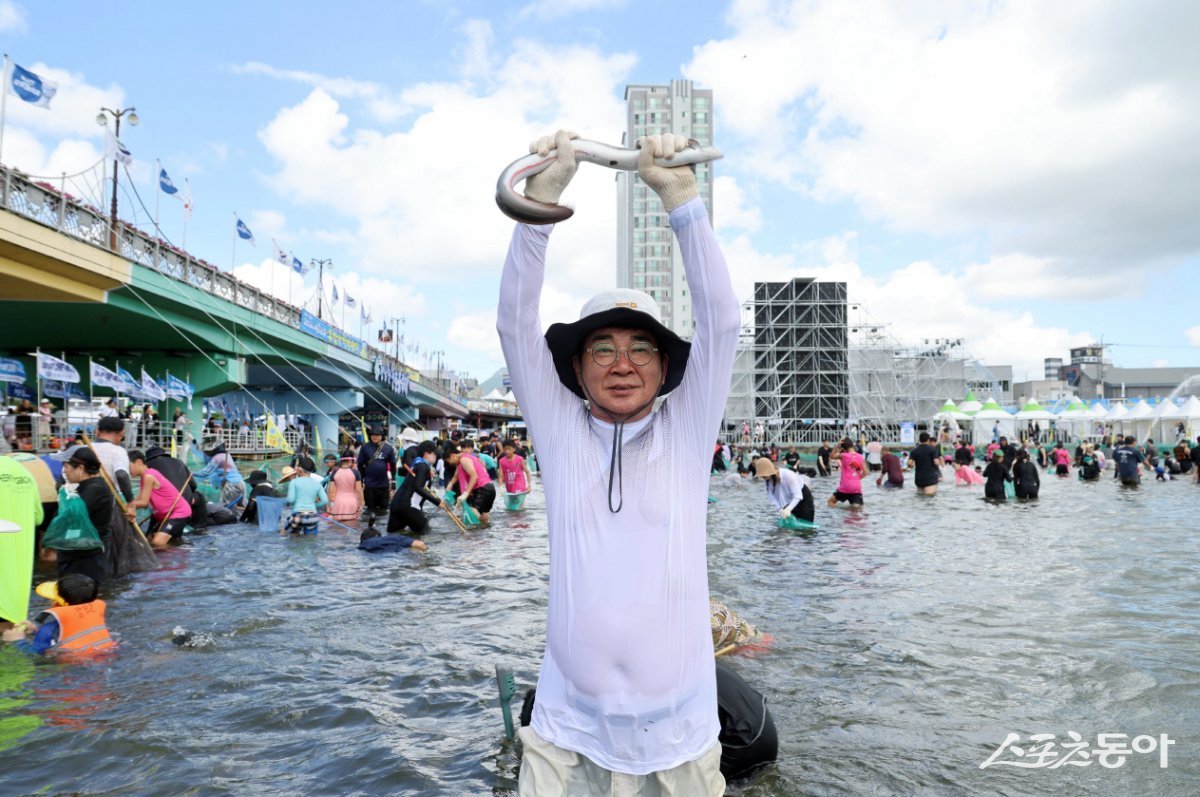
<point>748,737</point>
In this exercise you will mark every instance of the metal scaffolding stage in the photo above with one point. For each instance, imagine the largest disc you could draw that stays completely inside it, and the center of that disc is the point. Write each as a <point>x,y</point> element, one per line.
<point>810,366</point>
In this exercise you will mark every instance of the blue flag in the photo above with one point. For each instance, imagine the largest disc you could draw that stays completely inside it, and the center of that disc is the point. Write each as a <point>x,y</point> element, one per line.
<point>243,231</point>
<point>297,266</point>
<point>164,182</point>
<point>31,88</point>
<point>334,288</point>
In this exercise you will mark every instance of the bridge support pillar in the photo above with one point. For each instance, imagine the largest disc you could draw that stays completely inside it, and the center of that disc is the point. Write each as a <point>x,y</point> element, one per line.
<point>321,409</point>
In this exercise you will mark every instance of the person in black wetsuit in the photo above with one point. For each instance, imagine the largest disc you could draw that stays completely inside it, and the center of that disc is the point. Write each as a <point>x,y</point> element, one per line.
<point>927,461</point>
<point>995,475</point>
<point>1025,477</point>
<point>403,514</point>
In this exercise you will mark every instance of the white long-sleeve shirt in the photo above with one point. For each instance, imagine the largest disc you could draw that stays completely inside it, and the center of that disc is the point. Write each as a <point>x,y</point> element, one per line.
<point>789,492</point>
<point>628,678</point>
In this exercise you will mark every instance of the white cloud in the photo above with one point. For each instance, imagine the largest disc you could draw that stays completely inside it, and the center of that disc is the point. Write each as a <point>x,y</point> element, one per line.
<point>554,9</point>
<point>384,298</point>
<point>731,209</point>
<point>423,197</point>
<point>1160,362</point>
<point>12,18</point>
<point>378,98</point>
<point>1193,335</point>
<point>915,302</point>
<point>1063,131</point>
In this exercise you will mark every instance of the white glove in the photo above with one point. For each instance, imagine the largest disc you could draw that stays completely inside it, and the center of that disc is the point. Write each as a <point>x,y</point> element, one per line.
<point>785,512</point>
<point>549,185</point>
<point>674,185</point>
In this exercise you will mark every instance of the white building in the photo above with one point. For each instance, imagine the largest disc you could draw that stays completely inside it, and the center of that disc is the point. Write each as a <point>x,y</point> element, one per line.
<point>647,259</point>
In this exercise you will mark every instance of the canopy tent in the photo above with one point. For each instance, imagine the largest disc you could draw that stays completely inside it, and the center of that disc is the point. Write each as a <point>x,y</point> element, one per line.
<point>970,405</point>
<point>1075,418</point>
<point>992,421</point>
<point>1139,421</point>
<point>1170,417</point>
<point>494,395</point>
<point>1115,416</point>
<point>509,397</point>
<point>951,412</point>
<point>1033,411</point>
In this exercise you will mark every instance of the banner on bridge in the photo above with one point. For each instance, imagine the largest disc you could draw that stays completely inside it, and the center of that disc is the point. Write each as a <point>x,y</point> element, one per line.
<point>330,334</point>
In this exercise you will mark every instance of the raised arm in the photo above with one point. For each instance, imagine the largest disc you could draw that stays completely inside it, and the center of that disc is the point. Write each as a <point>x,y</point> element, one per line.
<point>518,319</point>
<point>715,308</point>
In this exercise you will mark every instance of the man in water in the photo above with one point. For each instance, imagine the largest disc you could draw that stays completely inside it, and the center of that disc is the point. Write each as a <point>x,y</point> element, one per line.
<point>376,462</point>
<point>893,471</point>
<point>927,462</point>
<point>823,455</point>
<point>627,691</point>
<point>1128,458</point>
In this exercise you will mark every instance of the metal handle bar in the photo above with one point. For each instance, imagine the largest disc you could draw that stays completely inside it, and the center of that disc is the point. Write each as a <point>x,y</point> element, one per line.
<point>529,211</point>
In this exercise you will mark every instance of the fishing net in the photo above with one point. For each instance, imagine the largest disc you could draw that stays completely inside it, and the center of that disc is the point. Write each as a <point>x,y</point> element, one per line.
<point>128,549</point>
<point>270,512</point>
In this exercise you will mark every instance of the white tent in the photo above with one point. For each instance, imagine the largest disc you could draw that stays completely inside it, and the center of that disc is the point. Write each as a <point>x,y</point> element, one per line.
<point>1116,415</point>
<point>494,395</point>
<point>950,412</point>
<point>992,421</point>
<point>1187,413</point>
<point>1139,421</point>
<point>1075,419</point>
<point>970,405</point>
<point>1033,411</point>
<point>509,398</point>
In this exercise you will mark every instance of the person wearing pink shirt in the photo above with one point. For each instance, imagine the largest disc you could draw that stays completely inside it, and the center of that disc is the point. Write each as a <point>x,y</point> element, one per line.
<point>514,472</point>
<point>849,489</point>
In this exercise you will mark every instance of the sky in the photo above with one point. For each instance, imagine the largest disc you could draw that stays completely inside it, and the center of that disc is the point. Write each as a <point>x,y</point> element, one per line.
<point>1021,175</point>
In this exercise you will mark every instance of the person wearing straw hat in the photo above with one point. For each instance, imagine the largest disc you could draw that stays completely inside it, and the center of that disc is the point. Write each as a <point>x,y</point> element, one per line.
<point>627,691</point>
<point>787,490</point>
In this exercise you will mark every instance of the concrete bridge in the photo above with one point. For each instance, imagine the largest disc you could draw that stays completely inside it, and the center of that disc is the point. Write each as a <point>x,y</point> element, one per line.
<point>70,286</point>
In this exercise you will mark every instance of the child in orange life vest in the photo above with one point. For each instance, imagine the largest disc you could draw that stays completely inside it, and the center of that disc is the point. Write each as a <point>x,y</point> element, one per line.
<point>75,621</point>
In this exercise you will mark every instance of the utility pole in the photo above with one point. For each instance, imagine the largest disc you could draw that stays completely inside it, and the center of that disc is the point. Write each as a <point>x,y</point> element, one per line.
<point>321,264</point>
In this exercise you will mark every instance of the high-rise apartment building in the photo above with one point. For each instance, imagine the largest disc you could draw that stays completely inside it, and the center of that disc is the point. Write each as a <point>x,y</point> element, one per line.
<point>647,258</point>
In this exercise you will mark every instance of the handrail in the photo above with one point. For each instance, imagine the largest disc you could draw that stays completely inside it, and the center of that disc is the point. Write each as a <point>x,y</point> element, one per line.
<point>44,204</point>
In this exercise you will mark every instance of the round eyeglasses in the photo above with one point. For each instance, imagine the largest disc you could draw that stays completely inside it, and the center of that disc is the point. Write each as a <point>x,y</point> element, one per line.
<point>605,354</point>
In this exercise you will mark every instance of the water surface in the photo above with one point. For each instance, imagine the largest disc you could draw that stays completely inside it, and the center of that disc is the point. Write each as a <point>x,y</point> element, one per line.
<point>910,638</point>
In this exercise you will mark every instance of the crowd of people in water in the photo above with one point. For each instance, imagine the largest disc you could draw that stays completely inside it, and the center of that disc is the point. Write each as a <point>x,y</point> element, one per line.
<point>110,507</point>
<point>1007,469</point>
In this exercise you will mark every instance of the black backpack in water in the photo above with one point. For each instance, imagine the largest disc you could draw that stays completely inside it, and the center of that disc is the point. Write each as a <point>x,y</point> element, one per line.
<point>748,738</point>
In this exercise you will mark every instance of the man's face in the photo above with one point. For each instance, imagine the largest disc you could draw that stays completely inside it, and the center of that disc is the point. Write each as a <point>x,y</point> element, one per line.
<point>136,467</point>
<point>621,387</point>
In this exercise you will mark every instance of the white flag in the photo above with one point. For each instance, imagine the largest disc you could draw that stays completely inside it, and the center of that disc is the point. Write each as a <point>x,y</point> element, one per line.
<point>115,149</point>
<point>281,256</point>
<point>187,199</point>
<point>50,367</point>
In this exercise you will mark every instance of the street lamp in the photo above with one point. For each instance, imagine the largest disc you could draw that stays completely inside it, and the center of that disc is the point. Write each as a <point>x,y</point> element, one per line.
<point>439,354</point>
<point>321,264</point>
<point>397,334</point>
<point>102,120</point>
